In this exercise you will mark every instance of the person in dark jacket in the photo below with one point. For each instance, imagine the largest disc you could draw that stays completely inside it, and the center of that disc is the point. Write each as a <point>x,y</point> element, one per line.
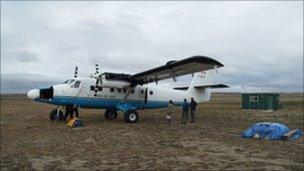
<point>75,109</point>
<point>192,109</point>
<point>185,112</point>
<point>69,111</point>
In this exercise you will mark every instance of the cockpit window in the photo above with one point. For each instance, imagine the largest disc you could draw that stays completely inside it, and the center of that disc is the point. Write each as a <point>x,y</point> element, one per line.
<point>76,85</point>
<point>69,81</point>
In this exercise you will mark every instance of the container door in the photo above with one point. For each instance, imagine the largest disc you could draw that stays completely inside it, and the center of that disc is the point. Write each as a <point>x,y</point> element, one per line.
<point>254,102</point>
<point>245,101</point>
<point>270,103</point>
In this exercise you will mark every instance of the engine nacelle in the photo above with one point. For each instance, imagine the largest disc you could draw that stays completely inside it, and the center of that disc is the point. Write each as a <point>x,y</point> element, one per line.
<point>110,83</point>
<point>115,83</point>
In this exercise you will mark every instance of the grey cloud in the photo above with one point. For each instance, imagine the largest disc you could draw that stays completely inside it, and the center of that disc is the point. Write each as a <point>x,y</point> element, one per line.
<point>260,43</point>
<point>22,56</point>
<point>22,82</point>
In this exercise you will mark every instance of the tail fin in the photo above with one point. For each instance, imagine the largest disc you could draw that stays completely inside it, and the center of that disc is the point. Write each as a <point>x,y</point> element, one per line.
<point>201,79</point>
<point>201,84</point>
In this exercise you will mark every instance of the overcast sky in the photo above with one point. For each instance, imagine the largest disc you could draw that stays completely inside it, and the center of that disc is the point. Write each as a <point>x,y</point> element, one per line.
<point>260,43</point>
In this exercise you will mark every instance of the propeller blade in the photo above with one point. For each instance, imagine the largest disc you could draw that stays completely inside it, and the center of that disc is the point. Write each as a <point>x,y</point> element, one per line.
<point>96,88</point>
<point>96,68</point>
<point>98,76</point>
<point>76,72</point>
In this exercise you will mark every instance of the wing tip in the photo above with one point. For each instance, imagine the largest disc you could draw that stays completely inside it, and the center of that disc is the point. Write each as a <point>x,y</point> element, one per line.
<point>201,58</point>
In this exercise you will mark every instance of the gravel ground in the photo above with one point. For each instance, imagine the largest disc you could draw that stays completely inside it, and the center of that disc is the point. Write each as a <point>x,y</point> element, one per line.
<point>29,141</point>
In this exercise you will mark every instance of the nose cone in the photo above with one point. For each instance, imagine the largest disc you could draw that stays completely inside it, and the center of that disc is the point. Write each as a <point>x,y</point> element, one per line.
<point>33,94</point>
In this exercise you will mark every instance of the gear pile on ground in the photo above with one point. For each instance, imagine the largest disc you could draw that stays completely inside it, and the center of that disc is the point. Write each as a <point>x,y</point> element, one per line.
<point>75,122</point>
<point>272,131</point>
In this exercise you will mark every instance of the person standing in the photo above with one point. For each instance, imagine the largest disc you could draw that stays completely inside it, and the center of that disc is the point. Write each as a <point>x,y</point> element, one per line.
<point>192,109</point>
<point>185,112</point>
<point>68,112</point>
<point>170,111</point>
<point>75,109</point>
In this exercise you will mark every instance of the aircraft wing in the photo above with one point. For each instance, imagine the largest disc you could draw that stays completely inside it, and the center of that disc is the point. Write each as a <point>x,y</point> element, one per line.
<point>174,69</point>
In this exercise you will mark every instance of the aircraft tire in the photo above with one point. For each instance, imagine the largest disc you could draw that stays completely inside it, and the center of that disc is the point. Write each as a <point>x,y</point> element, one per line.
<point>53,115</point>
<point>106,114</point>
<point>131,116</point>
<point>112,114</point>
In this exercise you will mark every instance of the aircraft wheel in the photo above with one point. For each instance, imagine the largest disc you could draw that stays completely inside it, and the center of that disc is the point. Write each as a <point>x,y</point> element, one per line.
<point>106,114</point>
<point>55,116</point>
<point>131,116</point>
<point>112,114</point>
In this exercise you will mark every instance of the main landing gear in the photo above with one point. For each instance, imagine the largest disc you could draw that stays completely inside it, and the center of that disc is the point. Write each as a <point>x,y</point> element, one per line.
<point>130,116</point>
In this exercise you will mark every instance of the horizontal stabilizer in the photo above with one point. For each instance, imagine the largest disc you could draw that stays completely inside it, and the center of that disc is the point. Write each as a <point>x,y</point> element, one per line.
<point>203,86</point>
<point>180,88</point>
<point>212,86</point>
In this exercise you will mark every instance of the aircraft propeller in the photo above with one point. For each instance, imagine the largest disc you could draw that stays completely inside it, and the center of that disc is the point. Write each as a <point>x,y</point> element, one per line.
<point>76,72</point>
<point>98,76</point>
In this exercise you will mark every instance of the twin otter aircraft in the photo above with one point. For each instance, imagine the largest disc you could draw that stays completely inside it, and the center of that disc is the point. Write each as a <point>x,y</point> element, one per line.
<point>129,93</point>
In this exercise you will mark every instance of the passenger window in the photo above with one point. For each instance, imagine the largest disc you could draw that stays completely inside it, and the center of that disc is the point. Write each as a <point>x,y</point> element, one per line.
<point>151,92</point>
<point>77,84</point>
<point>99,88</point>
<point>92,88</point>
<point>132,91</point>
<point>142,91</point>
<point>111,89</point>
<point>119,90</point>
<point>124,90</point>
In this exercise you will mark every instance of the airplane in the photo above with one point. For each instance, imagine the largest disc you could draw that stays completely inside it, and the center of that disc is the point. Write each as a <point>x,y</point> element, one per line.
<point>131,92</point>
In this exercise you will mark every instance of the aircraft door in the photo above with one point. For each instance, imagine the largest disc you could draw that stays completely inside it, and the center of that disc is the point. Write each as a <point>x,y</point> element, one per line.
<point>146,95</point>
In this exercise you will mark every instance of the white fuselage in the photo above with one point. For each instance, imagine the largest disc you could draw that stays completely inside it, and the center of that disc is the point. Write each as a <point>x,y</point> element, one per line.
<point>142,97</point>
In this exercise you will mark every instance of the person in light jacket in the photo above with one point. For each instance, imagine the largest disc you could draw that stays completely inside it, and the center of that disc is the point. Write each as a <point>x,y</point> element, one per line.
<point>170,111</point>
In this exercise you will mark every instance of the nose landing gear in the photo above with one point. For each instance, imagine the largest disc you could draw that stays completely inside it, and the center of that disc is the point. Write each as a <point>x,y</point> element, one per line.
<point>56,114</point>
<point>110,114</point>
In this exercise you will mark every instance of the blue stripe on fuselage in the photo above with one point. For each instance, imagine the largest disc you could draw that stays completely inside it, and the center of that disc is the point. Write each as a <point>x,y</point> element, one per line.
<point>105,103</point>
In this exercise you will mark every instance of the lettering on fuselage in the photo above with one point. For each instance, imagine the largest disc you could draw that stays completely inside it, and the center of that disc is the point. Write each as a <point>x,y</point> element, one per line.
<point>106,96</point>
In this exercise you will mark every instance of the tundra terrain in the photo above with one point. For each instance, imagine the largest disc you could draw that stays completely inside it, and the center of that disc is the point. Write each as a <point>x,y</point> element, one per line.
<point>29,141</point>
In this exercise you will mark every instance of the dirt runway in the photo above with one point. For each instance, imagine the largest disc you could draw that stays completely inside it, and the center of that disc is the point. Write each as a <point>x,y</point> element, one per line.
<point>30,141</point>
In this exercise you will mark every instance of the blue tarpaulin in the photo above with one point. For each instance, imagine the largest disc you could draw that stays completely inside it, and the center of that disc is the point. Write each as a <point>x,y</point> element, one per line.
<point>269,130</point>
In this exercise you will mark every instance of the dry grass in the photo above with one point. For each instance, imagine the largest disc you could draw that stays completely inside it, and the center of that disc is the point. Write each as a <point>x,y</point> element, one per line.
<point>30,141</point>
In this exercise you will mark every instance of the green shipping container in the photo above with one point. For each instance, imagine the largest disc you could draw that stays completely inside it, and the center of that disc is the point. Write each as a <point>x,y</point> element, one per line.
<point>260,101</point>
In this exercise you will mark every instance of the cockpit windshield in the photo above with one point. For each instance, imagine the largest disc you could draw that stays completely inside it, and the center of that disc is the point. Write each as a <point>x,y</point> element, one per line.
<point>69,81</point>
<point>76,85</point>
